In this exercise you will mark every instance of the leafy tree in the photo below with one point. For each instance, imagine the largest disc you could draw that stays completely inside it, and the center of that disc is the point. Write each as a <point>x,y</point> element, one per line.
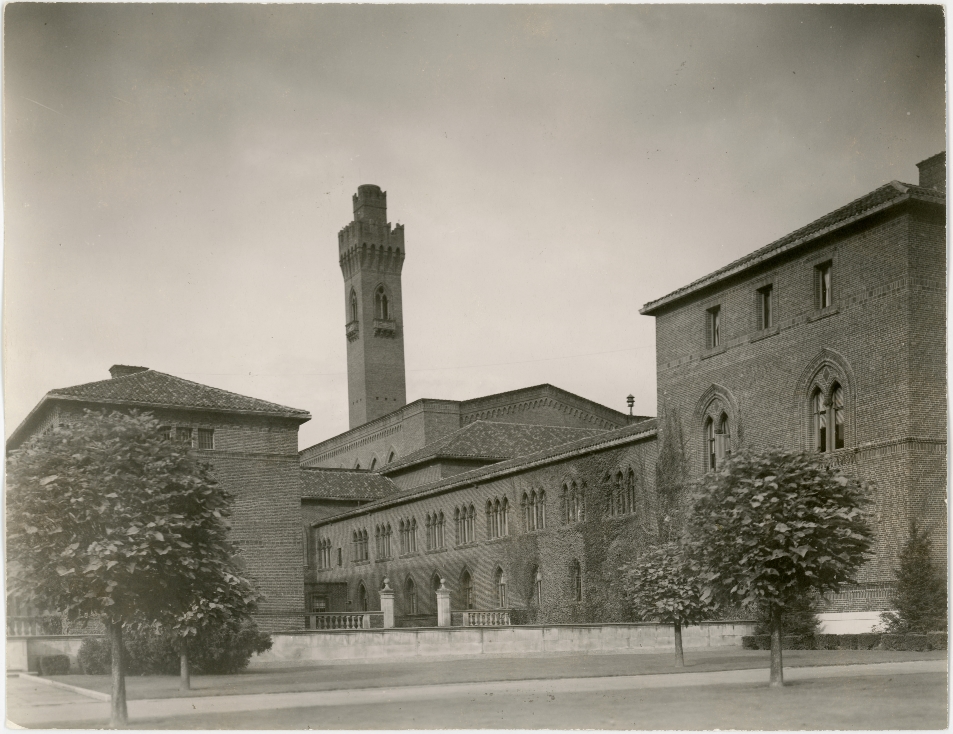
<point>108,518</point>
<point>920,598</point>
<point>662,587</point>
<point>769,527</point>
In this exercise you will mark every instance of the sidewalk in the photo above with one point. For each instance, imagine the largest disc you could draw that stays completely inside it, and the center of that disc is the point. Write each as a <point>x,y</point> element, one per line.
<point>67,708</point>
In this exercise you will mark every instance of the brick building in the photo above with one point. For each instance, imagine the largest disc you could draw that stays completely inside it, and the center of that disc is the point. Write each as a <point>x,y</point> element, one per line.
<point>252,445</point>
<point>830,339</point>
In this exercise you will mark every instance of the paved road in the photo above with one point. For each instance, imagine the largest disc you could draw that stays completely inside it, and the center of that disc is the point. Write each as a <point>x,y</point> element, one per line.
<point>562,703</point>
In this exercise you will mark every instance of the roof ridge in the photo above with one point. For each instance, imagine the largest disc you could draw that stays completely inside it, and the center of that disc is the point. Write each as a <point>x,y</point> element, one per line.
<point>853,210</point>
<point>488,472</point>
<point>65,391</point>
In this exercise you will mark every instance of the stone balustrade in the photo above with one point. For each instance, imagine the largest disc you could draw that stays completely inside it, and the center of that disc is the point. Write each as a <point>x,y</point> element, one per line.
<point>490,618</point>
<point>340,621</point>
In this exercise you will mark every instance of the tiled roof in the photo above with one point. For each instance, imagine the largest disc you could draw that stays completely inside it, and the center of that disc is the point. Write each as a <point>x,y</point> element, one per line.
<point>604,440</point>
<point>152,388</point>
<point>495,441</point>
<point>887,195</point>
<point>344,484</point>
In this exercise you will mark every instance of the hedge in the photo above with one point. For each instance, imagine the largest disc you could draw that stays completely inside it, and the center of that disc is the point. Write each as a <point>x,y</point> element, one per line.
<point>864,641</point>
<point>53,665</point>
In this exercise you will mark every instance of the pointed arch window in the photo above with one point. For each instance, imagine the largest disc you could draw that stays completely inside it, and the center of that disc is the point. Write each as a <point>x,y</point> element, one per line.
<point>538,587</point>
<point>466,586</point>
<point>500,582</point>
<point>353,305</point>
<point>411,588</point>
<point>362,597</point>
<point>575,576</point>
<point>827,419</point>
<point>381,308</point>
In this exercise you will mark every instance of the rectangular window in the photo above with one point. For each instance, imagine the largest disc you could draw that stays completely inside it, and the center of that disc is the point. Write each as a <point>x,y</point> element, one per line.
<point>206,438</point>
<point>319,604</point>
<point>764,305</point>
<point>713,327</point>
<point>183,435</point>
<point>340,559</point>
<point>823,295</point>
<point>166,432</point>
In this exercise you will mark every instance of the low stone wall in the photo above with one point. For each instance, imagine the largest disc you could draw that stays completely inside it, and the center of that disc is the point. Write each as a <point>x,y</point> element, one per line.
<point>24,652</point>
<point>349,646</point>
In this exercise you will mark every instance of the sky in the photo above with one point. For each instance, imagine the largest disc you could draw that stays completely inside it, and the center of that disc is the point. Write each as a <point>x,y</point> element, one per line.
<point>175,177</point>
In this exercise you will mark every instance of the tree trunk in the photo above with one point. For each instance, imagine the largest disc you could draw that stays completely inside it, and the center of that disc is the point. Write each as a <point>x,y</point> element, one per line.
<point>679,655</point>
<point>118,714</point>
<point>777,671</point>
<point>184,682</point>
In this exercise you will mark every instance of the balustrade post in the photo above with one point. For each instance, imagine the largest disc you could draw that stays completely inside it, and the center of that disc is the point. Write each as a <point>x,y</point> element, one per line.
<point>443,605</point>
<point>387,604</point>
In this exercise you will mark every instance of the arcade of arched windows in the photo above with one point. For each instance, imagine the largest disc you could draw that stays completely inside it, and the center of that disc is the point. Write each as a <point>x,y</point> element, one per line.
<point>464,520</point>
<point>407,529</point>
<point>533,505</point>
<point>382,538</point>
<point>574,502</point>
<point>435,531</point>
<point>497,517</point>
<point>622,497</point>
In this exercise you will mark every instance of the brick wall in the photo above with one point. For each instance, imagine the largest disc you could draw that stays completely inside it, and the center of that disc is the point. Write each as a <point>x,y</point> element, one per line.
<point>883,341</point>
<point>600,544</point>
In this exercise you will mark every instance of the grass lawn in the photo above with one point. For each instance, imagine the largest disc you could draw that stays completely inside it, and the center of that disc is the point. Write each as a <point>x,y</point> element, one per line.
<point>477,669</point>
<point>911,701</point>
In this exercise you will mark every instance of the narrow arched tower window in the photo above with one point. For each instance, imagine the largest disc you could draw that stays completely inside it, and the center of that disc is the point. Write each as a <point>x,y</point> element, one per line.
<point>837,415</point>
<point>819,421</point>
<point>380,304</point>
<point>353,306</point>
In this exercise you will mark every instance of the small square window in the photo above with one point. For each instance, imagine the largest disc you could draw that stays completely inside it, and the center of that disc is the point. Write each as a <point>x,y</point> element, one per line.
<point>713,327</point>
<point>183,435</point>
<point>765,307</point>
<point>823,294</point>
<point>166,432</point>
<point>206,438</point>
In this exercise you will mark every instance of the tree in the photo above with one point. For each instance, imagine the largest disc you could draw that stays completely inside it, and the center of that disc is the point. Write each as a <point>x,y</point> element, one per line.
<point>920,597</point>
<point>108,518</point>
<point>662,587</point>
<point>769,527</point>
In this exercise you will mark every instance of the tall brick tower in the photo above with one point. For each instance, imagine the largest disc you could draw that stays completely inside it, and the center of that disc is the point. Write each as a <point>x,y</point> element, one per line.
<point>371,255</point>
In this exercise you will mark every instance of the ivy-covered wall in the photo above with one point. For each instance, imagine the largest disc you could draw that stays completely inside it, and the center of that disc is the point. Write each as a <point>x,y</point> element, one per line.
<point>600,542</point>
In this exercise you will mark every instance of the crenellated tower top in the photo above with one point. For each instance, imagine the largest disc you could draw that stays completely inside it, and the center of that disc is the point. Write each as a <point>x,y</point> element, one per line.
<point>371,254</point>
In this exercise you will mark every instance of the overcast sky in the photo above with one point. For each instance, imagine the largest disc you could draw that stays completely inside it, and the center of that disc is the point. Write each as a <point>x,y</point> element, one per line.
<point>176,175</point>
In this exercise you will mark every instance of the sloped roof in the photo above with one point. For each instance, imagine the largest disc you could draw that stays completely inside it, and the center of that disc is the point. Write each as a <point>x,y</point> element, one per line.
<point>493,441</point>
<point>888,195</point>
<point>605,440</point>
<point>151,389</point>
<point>344,484</point>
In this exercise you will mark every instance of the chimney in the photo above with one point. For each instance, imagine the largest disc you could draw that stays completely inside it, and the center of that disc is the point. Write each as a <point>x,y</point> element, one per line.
<point>933,172</point>
<point>121,370</point>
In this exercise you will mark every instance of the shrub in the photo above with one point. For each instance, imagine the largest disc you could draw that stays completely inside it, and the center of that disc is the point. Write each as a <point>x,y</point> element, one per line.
<point>868,640</point>
<point>798,618</point>
<point>892,642</point>
<point>54,665</point>
<point>94,656</point>
<point>916,642</point>
<point>827,642</point>
<point>797,642</point>
<point>937,640</point>
<point>227,650</point>
<point>920,599</point>
<point>151,651</point>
